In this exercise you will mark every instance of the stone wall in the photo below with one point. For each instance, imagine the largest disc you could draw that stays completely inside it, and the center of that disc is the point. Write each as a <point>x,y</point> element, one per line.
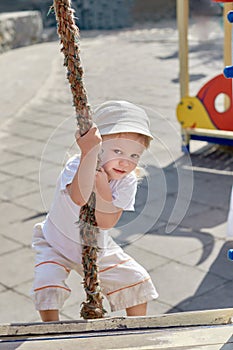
<point>25,27</point>
<point>149,10</point>
<point>20,29</point>
<point>109,14</point>
<point>28,5</point>
<point>91,14</point>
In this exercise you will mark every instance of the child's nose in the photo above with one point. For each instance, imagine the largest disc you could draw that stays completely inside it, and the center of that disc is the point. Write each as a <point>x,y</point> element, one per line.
<point>124,162</point>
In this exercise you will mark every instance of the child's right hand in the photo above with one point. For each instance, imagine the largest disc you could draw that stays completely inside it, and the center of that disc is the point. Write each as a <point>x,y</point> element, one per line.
<point>101,182</point>
<point>90,142</point>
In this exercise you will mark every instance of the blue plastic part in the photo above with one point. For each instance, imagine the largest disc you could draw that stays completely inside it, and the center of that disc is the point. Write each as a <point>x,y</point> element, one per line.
<point>185,149</point>
<point>230,16</point>
<point>228,71</point>
<point>230,254</point>
<point>211,139</point>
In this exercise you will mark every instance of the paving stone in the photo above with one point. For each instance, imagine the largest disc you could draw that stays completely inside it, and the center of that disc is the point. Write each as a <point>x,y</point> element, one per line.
<point>5,177</point>
<point>206,192</point>
<point>146,258</point>
<point>57,156</point>
<point>20,90</point>
<point>12,275</point>
<point>219,297</point>
<point>64,121</point>
<point>21,128</point>
<point>48,174</point>
<point>18,187</point>
<point>134,225</point>
<point>2,288</point>
<point>44,135</point>
<point>171,210</point>
<point>9,308</point>
<point>34,176</point>
<point>8,157</point>
<point>184,282</point>
<point>22,167</point>
<point>24,288</point>
<point>39,201</point>
<point>57,117</point>
<point>8,245</point>
<point>172,246</point>
<point>156,307</point>
<point>208,217</point>
<point>218,231</point>
<point>10,213</point>
<point>61,116</point>
<point>10,140</point>
<point>32,149</point>
<point>66,140</point>
<point>215,260</point>
<point>22,232</point>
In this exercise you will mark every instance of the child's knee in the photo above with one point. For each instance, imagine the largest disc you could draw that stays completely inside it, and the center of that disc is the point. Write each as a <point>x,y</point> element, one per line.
<point>49,289</point>
<point>50,297</point>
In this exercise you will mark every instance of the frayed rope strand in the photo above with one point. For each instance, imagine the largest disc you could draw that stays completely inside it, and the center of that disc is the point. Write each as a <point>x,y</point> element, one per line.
<point>69,38</point>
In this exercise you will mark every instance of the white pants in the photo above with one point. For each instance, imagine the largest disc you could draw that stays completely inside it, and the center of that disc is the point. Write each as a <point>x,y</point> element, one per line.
<point>123,281</point>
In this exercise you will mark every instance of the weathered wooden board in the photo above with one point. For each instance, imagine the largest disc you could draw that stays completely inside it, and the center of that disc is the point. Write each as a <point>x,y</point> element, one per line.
<point>207,330</point>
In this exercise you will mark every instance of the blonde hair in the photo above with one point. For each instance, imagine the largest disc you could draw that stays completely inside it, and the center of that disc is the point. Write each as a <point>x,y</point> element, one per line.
<point>143,139</point>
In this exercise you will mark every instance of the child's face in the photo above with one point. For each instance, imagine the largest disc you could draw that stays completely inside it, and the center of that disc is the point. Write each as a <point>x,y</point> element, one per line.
<point>121,154</point>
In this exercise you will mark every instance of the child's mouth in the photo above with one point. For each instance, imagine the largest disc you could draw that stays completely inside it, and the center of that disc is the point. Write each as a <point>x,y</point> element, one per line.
<point>119,171</point>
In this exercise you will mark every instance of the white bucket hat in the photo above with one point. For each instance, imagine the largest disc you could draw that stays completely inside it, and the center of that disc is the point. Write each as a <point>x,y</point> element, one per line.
<point>113,117</point>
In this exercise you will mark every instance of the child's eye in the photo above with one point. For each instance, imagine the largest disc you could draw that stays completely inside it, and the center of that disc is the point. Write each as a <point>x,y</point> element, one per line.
<point>117,151</point>
<point>135,156</point>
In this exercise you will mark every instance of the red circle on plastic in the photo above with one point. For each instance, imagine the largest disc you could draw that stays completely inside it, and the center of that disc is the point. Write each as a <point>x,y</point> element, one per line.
<point>207,95</point>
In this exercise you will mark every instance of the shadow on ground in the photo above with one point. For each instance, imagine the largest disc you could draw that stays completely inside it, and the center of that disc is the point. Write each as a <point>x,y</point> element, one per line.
<point>196,218</point>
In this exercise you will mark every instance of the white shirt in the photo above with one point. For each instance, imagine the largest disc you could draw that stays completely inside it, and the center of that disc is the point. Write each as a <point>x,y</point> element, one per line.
<point>61,228</point>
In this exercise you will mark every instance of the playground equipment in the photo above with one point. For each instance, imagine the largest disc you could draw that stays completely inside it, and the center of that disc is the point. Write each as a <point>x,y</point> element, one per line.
<point>199,116</point>
<point>228,71</point>
<point>230,254</point>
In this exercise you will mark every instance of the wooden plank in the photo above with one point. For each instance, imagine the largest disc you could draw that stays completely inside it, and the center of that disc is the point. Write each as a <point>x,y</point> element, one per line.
<point>182,319</point>
<point>202,338</point>
<point>227,46</point>
<point>182,7</point>
<point>221,137</point>
<point>209,132</point>
<point>227,35</point>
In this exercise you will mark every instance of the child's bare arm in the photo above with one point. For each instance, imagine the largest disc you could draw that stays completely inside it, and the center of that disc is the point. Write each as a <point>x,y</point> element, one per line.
<point>107,215</point>
<point>82,185</point>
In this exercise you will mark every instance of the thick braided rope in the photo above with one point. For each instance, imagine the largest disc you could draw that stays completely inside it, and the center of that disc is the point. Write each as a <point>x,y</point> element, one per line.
<point>69,37</point>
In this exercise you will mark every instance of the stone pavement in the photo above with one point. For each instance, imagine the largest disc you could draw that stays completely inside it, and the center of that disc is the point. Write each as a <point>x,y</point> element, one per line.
<point>182,202</point>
